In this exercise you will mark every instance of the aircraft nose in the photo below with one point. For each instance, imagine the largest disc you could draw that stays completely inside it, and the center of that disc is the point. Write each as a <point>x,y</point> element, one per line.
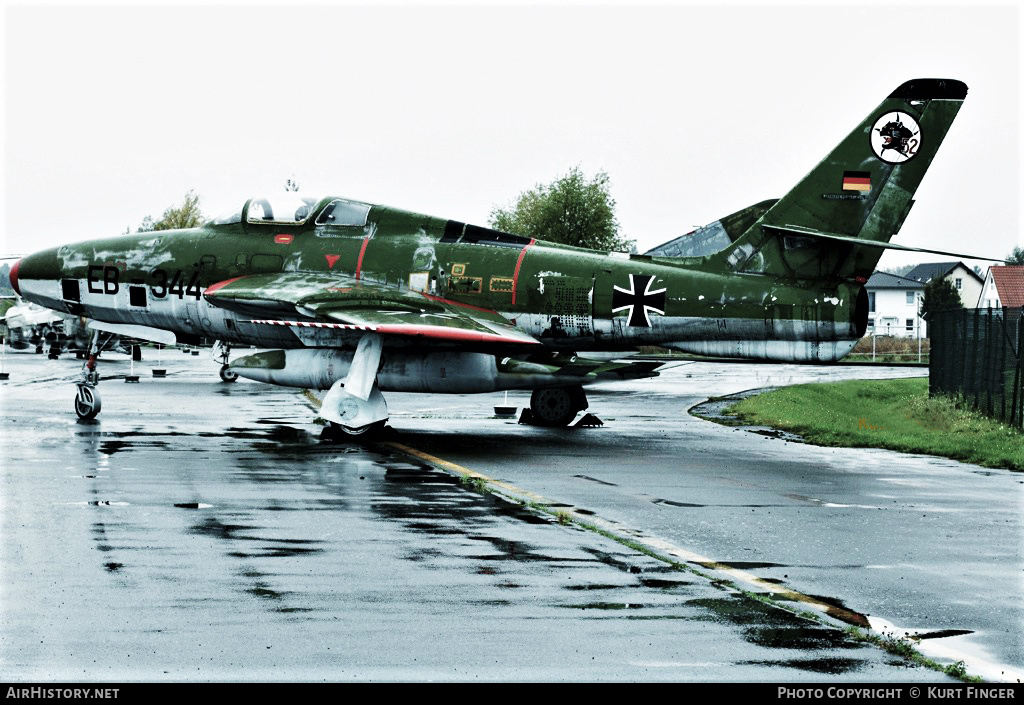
<point>35,276</point>
<point>38,265</point>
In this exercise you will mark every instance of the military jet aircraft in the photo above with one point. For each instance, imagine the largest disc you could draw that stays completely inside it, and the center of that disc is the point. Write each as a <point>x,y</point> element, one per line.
<point>30,325</point>
<point>357,298</point>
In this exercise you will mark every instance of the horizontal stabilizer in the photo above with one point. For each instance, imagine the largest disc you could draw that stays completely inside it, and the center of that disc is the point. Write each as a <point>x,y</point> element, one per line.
<point>863,242</point>
<point>588,370</point>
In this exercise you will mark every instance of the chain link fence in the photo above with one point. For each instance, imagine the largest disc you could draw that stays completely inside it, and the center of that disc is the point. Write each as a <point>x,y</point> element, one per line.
<point>976,355</point>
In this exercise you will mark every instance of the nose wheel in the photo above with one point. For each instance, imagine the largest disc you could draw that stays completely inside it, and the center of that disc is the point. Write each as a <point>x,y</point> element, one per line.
<point>227,374</point>
<point>87,402</point>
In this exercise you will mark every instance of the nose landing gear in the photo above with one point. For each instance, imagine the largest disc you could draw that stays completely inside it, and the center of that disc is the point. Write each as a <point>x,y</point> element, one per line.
<point>87,399</point>
<point>87,402</point>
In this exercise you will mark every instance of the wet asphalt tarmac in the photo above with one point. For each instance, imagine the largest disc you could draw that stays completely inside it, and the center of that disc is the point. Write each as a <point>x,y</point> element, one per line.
<point>199,531</point>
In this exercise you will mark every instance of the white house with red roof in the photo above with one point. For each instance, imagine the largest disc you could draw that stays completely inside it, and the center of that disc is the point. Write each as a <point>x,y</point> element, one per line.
<point>1003,288</point>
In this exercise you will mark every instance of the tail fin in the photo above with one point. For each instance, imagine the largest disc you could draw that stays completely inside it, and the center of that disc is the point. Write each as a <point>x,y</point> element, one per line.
<point>837,221</point>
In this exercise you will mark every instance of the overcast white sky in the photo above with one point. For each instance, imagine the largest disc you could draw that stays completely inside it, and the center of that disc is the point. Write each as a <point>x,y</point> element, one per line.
<point>114,112</point>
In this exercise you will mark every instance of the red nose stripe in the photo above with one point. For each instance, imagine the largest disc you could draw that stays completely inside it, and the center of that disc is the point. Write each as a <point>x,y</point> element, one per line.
<point>14,277</point>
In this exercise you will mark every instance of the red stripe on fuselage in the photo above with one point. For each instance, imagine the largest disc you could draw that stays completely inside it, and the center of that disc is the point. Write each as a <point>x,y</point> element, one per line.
<point>362,251</point>
<point>519,263</point>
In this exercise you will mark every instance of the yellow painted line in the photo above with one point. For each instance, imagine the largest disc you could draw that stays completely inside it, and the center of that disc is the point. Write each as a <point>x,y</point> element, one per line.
<point>659,547</point>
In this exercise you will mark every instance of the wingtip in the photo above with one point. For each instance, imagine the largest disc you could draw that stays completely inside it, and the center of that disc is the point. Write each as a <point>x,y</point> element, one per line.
<point>931,88</point>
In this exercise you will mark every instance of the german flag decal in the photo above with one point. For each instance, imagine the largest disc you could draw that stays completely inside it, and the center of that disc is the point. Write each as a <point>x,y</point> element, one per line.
<point>856,180</point>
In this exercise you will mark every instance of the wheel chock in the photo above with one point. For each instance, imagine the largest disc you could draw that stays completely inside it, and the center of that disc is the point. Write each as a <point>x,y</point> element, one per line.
<point>585,420</point>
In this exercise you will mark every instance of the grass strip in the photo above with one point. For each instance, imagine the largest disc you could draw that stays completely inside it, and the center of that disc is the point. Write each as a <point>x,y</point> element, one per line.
<point>894,414</point>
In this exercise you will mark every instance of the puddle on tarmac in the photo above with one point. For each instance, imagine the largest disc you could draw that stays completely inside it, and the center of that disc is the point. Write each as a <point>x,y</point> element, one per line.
<point>594,479</point>
<point>664,584</point>
<point>749,565</point>
<point>828,666</point>
<point>942,633</point>
<point>262,591</point>
<point>672,503</point>
<point>773,628</point>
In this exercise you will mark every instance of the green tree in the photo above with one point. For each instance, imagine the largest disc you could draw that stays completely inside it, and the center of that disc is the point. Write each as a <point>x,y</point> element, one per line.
<point>187,215</point>
<point>1016,257</point>
<point>570,210</point>
<point>939,295</point>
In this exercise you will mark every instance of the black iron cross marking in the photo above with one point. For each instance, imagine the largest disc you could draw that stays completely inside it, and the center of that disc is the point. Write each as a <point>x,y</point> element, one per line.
<point>639,299</point>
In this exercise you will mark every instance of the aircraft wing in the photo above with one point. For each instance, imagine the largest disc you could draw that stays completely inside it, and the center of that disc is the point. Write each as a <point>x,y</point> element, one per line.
<point>345,303</point>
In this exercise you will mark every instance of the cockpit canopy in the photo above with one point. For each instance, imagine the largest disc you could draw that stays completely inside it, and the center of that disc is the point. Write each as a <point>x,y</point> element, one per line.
<point>342,212</point>
<point>291,209</point>
<point>283,209</point>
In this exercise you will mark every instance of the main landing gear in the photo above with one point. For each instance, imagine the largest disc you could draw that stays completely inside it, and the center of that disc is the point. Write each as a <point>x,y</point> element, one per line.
<point>555,406</point>
<point>223,354</point>
<point>354,406</point>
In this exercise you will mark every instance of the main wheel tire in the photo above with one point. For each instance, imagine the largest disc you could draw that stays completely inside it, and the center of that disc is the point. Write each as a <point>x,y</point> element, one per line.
<point>553,407</point>
<point>87,402</point>
<point>336,433</point>
<point>227,374</point>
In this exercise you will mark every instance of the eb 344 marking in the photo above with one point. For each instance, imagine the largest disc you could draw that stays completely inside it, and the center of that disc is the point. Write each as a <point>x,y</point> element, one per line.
<point>106,279</point>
